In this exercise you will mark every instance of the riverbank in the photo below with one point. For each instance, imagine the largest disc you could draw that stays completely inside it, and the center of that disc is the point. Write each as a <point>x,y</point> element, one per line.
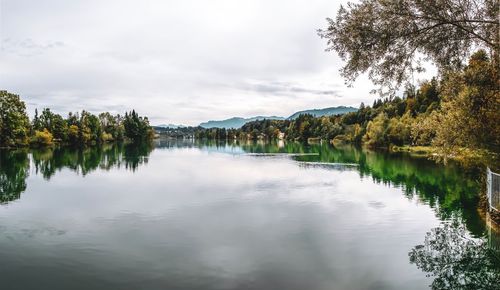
<point>57,144</point>
<point>420,150</point>
<point>462,155</point>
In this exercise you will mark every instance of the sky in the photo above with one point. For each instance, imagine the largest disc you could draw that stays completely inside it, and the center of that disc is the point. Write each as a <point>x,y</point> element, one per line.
<point>175,61</point>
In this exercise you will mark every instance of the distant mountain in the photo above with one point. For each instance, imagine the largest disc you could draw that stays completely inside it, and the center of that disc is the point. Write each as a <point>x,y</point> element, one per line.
<point>236,122</point>
<point>173,126</point>
<point>324,112</point>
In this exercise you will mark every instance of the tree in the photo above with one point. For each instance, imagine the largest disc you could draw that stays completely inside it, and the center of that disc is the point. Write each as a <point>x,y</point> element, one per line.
<point>131,124</point>
<point>456,261</point>
<point>14,122</point>
<point>46,119</point>
<point>427,95</point>
<point>42,138</point>
<point>73,119</point>
<point>73,134</point>
<point>469,116</point>
<point>137,128</point>
<point>386,38</point>
<point>77,129</point>
<point>54,123</point>
<point>423,129</point>
<point>36,124</point>
<point>84,133</point>
<point>398,131</point>
<point>59,128</point>
<point>95,127</point>
<point>376,130</point>
<point>110,126</point>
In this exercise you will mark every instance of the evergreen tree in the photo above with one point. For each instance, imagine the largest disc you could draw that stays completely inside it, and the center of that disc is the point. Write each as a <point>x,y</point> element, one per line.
<point>14,122</point>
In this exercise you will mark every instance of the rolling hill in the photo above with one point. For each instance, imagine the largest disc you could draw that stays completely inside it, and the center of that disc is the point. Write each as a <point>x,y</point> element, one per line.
<point>324,112</point>
<point>235,122</point>
<point>238,122</point>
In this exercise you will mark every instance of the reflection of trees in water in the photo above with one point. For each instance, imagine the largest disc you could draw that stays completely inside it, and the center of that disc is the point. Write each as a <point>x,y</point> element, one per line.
<point>448,189</point>
<point>86,160</point>
<point>14,169</point>
<point>14,165</point>
<point>135,155</point>
<point>455,260</point>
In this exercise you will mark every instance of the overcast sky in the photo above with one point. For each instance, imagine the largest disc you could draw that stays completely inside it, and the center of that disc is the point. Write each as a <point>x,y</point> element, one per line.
<point>181,62</point>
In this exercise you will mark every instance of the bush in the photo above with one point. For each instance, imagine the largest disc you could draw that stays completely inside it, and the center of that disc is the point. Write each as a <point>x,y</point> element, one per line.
<point>106,137</point>
<point>42,138</point>
<point>376,131</point>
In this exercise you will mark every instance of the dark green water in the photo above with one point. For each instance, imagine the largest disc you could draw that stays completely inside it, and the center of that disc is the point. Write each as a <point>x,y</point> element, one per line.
<point>184,215</point>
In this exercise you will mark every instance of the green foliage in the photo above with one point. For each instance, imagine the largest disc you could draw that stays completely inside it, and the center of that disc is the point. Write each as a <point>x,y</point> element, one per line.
<point>106,137</point>
<point>376,131</point>
<point>469,116</point>
<point>73,134</point>
<point>42,138</point>
<point>137,128</point>
<point>398,131</point>
<point>456,261</point>
<point>351,127</point>
<point>36,123</point>
<point>423,129</point>
<point>457,114</point>
<point>427,96</point>
<point>78,129</point>
<point>90,128</point>
<point>54,123</point>
<point>59,128</point>
<point>386,38</point>
<point>112,126</point>
<point>14,122</point>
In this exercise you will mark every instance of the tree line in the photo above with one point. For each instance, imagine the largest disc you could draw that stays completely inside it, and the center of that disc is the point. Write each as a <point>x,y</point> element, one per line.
<point>77,129</point>
<point>456,114</point>
<point>390,40</point>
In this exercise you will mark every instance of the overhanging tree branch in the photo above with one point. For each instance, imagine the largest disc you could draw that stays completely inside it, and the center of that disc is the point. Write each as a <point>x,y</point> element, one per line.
<point>378,36</point>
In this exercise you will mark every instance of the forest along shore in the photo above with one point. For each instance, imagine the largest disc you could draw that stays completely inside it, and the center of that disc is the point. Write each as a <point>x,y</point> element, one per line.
<point>77,129</point>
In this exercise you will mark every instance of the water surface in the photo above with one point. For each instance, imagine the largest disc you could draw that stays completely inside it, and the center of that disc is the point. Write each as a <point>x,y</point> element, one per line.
<point>194,215</point>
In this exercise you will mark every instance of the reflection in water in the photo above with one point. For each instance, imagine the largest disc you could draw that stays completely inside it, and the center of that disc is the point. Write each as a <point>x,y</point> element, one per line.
<point>84,161</point>
<point>451,190</point>
<point>13,174</point>
<point>14,164</point>
<point>455,260</point>
<point>456,255</point>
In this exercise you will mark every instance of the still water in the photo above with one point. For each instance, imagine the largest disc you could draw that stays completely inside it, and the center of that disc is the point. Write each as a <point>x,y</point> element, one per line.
<point>186,215</point>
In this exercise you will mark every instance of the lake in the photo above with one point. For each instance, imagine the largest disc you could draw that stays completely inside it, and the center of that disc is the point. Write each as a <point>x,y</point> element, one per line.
<point>201,215</point>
